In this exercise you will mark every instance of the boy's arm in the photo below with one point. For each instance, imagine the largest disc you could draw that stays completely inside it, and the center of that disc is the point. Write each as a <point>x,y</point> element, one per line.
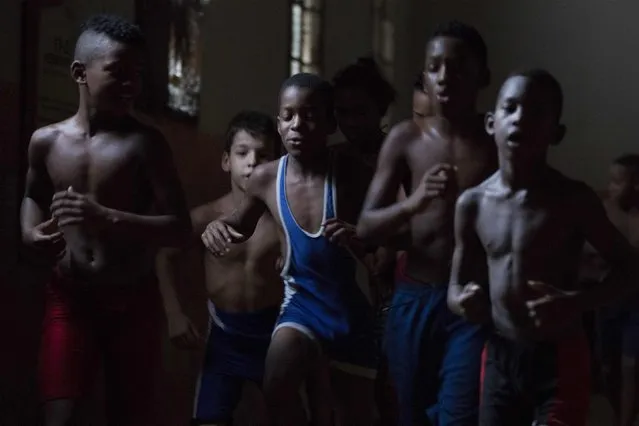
<point>180,326</point>
<point>382,215</point>
<point>37,196</point>
<point>167,258</point>
<point>613,247</point>
<point>467,250</point>
<point>245,217</point>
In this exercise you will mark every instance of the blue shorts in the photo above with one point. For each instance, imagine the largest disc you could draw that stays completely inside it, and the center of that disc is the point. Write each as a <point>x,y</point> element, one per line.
<point>355,352</point>
<point>434,357</point>
<point>235,352</point>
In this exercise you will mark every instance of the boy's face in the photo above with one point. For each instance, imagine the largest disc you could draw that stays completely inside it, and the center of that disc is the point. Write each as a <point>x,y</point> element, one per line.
<point>621,185</point>
<point>246,153</point>
<point>357,115</point>
<point>421,106</point>
<point>303,122</point>
<point>453,75</point>
<point>525,121</point>
<point>113,78</point>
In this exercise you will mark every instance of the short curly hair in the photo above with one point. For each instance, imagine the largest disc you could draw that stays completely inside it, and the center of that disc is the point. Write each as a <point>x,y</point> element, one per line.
<point>97,28</point>
<point>468,35</point>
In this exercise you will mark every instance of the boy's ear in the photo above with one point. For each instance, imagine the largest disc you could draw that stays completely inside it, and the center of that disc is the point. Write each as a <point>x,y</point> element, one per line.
<point>489,123</point>
<point>79,72</point>
<point>226,163</point>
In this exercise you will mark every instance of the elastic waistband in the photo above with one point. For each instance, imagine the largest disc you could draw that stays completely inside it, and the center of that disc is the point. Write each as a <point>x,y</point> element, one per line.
<point>402,277</point>
<point>257,324</point>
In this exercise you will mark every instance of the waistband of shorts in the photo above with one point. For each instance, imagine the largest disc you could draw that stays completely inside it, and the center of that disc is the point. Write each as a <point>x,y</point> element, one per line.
<point>417,288</point>
<point>256,324</point>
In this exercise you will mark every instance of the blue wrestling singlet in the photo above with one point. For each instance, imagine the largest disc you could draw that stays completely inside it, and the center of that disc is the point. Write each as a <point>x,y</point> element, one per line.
<point>322,298</point>
<point>235,352</point>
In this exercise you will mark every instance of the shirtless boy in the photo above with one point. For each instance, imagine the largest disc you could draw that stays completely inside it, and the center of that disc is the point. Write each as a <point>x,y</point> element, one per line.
<point>325,315</point>
<point>244,287</point>
<point>116,198</point>
<point>529,222</point>
<point>622,206</point>
<point>433,356</point>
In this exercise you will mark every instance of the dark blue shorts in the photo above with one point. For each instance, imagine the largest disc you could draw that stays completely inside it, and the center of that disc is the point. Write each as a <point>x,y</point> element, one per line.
<point>434,358</point>
<point>235,352</point>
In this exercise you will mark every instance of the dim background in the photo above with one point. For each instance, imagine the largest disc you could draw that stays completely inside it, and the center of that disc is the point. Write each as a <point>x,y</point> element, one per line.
<point>209,59</point>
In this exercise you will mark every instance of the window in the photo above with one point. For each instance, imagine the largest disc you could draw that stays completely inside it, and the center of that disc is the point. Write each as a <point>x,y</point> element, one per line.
<point>306,36</point>
<point>185,56</point>
<point>384,36</point>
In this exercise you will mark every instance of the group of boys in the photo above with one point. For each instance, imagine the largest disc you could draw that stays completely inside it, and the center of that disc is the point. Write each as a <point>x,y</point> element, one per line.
<point>484,325</point>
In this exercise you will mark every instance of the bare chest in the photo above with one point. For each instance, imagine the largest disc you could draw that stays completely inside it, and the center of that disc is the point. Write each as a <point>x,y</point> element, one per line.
<point>97,166</point>
<point>474,161</point>
<point>264,244</point>
<point>520,228</point>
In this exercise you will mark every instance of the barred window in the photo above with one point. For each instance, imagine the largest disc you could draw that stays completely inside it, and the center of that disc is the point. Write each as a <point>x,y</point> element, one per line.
<point>185,56</point>
<point>383,37</point>
<point>306,36</point>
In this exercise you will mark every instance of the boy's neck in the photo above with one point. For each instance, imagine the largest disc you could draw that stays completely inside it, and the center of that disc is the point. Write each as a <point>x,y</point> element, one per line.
<point>237,194</point>
<point>317,166</point>
<point>459,124</point>
<point>91,121</point>
<point>517,177</point>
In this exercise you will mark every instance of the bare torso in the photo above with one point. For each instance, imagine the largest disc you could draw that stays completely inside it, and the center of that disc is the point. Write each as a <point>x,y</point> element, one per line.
<point>247,278</point>
<point>429,257</point>
<point>111,168</point>
<point>528,236</point>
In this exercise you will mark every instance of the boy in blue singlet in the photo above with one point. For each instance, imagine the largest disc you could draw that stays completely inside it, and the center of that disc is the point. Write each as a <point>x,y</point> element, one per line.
<point>325,333</point>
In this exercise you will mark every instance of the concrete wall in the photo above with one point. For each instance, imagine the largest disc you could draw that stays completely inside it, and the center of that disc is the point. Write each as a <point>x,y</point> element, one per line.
<point>246,52</point>
<point>244,59</point>
<point>587,44</point>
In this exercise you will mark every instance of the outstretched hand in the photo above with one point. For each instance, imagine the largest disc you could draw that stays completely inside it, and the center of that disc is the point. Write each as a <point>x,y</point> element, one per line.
<point>339,232</point>
<point>218,237</point>
<point>553,307</point>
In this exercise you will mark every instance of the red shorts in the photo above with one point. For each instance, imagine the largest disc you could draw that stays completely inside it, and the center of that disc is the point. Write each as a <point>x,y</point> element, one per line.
<point>543,383</point>
<point>118,326</point>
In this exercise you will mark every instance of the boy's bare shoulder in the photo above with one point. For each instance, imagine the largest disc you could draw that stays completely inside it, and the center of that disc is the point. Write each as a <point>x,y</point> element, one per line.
<point>48,135</point>
<point>216,208</point>
<point>471,197</point>
<point>404,133</point>
<point>263,177</point>
<point>571,190</point>
<point>151,138</point>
